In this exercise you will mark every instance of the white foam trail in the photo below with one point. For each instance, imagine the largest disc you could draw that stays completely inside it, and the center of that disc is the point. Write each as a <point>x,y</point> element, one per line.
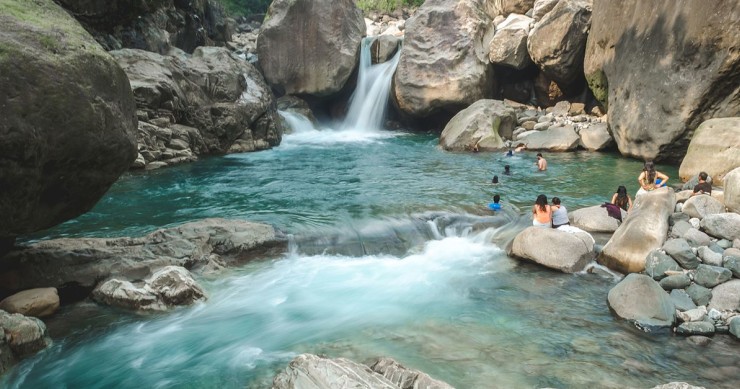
<point>298,123</point>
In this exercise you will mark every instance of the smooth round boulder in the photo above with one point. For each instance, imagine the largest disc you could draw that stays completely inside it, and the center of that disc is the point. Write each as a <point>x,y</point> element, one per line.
<point>39,302</point>
<point>702,205</point>
<point>680,250</point>
<point>714,149</point>
<point>642,232</point>
<point>595,219</point>
<point>657,264</point>
<point>564,251</point>
<point>310,47</point>
<point>639,298</point>
<point>732,190</point>
<point>553,139</point>
<point>68,127</point>
<point>722,225</point>
<point>484,125</point>
<point>444,63</point>
<point>726,296</point>
<point>710,276</point>
<point>596,137</point>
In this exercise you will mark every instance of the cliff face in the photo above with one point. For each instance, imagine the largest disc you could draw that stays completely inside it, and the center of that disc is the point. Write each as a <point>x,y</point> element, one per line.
<point>152,25</point>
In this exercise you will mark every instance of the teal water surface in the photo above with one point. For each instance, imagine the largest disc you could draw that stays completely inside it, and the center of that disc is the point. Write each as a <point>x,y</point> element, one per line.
<point>456,306</point>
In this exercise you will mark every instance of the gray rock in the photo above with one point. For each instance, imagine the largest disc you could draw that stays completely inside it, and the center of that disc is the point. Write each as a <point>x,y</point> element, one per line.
<point>509,45</point>
<point>680,250</point>
<point>695,328</point>
<point>561,109</point>
<point>384,47</point>
<point>726,297</point>
<point>596,137</point>
<point>616,29</point>
<point>485,123</point>
<point>506,7</point>
<point>558,40</point>
<point>735,327</point>
<point>86,261</point>
<point>404,377</point>
<point>680,228</point>
<point>676,281</point>
<point>699,340</point>
<point>542,7</point>
<point>568,253</point>
<point>678,216</point>
<point>695,222</point>
<point>314,58</point>
<point>595,219</point>
<point>732,191</point>
<point>732,264</point>
<point>710,257</point>
<point>67,132</point>
<point>638,297</point>
<point>23,335</point>
<point>311,371</point>
<point>732,252</point>
<point>699,294</point>
<point>542,126</point>
<point>457,72</point>
<point>696,237</point>
<point>722,225</point>
<point>716,248</point>
<point>552,139</point>
<point>714,149</point>
<point>683,195</point>
<point>701,206</point>
<point>711,276</point>
<point>678,385</point>
<point>168,287</point>
<point>642,232</point>
<point>682,300</point>
<point>724,243</point>
<point>658,263</point>
<point>695,314</point>
<point>39,302</point>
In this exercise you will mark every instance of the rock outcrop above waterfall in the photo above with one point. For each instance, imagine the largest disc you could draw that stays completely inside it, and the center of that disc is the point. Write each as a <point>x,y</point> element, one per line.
<point>444,63</point>
<point>640,299</point>
<point>482,126</point>
<point>68,118</point>
<point>714,149</point>
<point>565,251</point>
<point>312,371</point>
<point>310,47</point>
<point>154,25</point>
<point>209,243</point>
<point>642,232</point>
<point>689,70</point>
<point>558,40</point>
<point>20,336</point>
<point>210,102</point>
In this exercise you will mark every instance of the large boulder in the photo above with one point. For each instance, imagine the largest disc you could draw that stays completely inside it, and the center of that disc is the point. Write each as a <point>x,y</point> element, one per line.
<point>558,40</point>
<point>596,137</point>
<point>722,225</point>
<point>484,124</point>
<point>221,99</point>
<point>153,25</point>
<point>726,297</point>
<point>24,335</point>
<point>444,63</point>
<point>639,298</point>
<point>701,206</point>
<point>39,302</point>
<point>732,190</point>
<point>87,261</point>
<point>642,232</point>
<point>509,45</point>
<point>565,251</point>
<point>68,118</point>
<point>310,47</point>
<point>553,139</point>
<point>312,371</point>
<point>714,149</point>
<point>669,40</point>
<point>168,287</point>
<point>595,219</point>
<point>506,7</point>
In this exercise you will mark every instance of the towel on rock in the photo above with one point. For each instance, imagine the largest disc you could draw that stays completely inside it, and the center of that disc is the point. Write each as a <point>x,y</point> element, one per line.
<point>613,210</point>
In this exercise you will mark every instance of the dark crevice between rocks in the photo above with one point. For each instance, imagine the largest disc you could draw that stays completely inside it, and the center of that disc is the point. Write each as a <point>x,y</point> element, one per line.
<point>73,292</point>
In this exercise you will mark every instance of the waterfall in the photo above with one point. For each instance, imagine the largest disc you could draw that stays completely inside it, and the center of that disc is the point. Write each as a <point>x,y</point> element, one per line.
<point>370,99</point>
<point>297,122</point>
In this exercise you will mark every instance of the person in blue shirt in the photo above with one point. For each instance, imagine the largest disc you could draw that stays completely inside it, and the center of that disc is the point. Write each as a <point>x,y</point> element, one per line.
<point>495,205</point>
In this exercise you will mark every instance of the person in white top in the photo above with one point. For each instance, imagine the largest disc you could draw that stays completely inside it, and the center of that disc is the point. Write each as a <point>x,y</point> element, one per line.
<point>559,214</point>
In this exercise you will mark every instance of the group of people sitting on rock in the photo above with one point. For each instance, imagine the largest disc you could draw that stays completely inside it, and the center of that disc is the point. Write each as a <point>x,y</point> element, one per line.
<point>546,215</point>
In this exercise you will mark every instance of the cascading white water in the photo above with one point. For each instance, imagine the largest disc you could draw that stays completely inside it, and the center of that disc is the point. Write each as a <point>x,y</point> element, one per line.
<point>297,122</point>
<point>370,99</point>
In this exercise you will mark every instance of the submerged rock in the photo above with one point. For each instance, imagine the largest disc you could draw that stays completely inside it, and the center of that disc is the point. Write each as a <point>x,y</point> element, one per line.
<point>68,122</point>
<point>84,262</point>
<point>484,125</point>
<point>639,298</point>
<point>714,149</point>
<point>40,302</point>
<point>310,47</point>
<point>565,251</point>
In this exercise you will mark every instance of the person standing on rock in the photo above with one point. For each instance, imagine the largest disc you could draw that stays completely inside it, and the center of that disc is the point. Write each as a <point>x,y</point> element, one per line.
<point>703,187</point>
<point>650,179</point>
<point>541,212</point>
<point>559,214</point>
<point>621,199</point>
<point>541,162</point>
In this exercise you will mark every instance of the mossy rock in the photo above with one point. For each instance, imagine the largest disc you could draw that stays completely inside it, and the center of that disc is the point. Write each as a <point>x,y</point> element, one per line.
<point>599,86</point>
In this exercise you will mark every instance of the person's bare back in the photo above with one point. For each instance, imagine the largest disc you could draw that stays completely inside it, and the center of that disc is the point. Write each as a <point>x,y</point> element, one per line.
<point>541,162</point>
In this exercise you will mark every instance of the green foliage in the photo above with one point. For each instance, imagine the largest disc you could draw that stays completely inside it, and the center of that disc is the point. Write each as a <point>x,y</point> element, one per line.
<point>245,7</point>
<point>387,5</point>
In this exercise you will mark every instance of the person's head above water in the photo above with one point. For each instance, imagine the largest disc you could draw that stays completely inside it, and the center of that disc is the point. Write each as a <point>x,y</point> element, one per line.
<point>496,199</point>
<point>494,180</point>
<point>507,169</point>
<point>510,153</point>
<point>539,155</point>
